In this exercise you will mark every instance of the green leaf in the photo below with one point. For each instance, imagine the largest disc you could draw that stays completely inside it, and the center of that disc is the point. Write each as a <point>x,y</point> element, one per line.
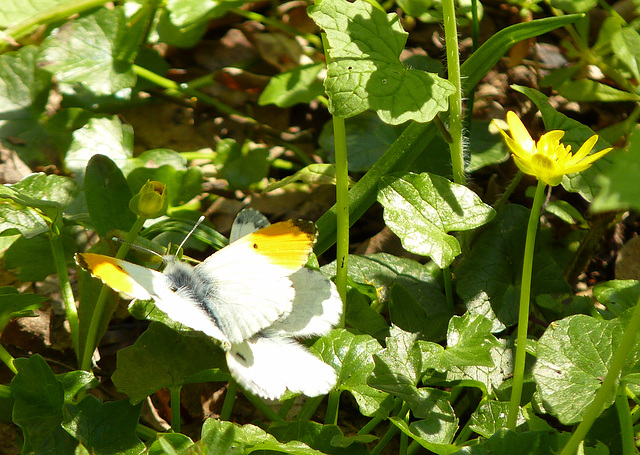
<point>24,90</point>
<point>301,84</point>
<point>104,136</point>
<point>586,90</point>
<point>14,11</point>
<point>39,398</point>
<point>365,71</point>
<point>489,279</point>
<point>368,138</point>
<point>413,315</point>
<point>574,6</point>
<point>33,258</point>
<point>362,317</point>
<point>489,417</point>
<point>576,134</point>
<point>324,438</point>
<point>352,358</point>
<point>220,437</point>
<point>162,357</point>
<point>469,341</point>
<point>417,137</point>
<point>105,428</point>
<point>618,295</point>
<point>618,182</point>
<point>88,51</point>
<point>411,431</point>
<point>187,13</point>
<point>507,442</point>
<point>573,357</point>
<point>107,195</point>
<point>625,44</point>
<point>384,270</point>
<point>170,441</point>
<point>14,304</point>
<point>48,194</point>
<point>398,368</point>
<point>319,174</point>
<point>241,165</point>
<point>422,208</point>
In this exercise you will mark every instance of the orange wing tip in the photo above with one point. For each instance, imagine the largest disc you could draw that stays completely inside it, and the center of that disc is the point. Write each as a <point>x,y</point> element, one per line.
<point>286,244</point>
<point>108,270</point>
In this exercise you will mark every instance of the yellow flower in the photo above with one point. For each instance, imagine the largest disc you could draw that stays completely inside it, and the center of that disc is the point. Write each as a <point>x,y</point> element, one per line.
<point>548,160</point>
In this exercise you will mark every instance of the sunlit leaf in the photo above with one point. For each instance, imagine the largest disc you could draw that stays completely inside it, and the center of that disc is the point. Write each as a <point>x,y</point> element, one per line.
<point>365,71</point>
<point>422,209</point>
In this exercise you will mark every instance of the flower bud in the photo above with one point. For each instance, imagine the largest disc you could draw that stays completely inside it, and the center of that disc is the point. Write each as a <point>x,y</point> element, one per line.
<point>151,201</point>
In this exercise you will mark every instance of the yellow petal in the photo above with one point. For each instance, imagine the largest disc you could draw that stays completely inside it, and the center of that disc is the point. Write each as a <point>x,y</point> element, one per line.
<point>519,132</point>
<point>586,162</point>
<point>585,149</point>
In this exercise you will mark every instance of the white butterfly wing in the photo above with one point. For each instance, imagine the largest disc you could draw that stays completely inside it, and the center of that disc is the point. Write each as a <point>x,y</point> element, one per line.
<point>248,293</point>
<point>249,280</point>
<point>267,367</point>
<point>144,284</point>
<point>246,222</point>
<point>316,307</point>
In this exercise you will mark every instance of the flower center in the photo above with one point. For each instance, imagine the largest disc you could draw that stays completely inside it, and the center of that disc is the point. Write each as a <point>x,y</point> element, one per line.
<point>542,162</point>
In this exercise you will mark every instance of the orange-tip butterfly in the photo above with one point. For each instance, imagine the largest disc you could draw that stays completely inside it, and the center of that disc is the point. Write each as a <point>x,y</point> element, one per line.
<point>254,296</point>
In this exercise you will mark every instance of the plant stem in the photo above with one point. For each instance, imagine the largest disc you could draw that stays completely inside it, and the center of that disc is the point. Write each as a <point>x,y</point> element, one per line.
<point>65,288</point>
<point>263,407</point>
<point>309,408</point>
<point>455,100</point>
<point>7,359</point>
<point>608,385</point>
<point>98,310</point>
<point>626,425</point>
<point>523,315</point>
<point>175,408</point>
<point>342,198</point>
<point>342,213</point>
<point>390,432</point>
<point>229,400</point>
<point>331,416</point>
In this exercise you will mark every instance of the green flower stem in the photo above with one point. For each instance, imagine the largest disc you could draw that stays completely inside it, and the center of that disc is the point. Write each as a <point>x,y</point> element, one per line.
<point>608,385</point>
<point>7,359</point>
<point>175,408</point>
<point>252,15</point>
<point>99,308</point>
<point>331,416</point>
<point>145,433</point>
<point>523,315</point>
<point>309,408</point>
<point>263,407</point>
<point>342,198</point>
<point>229,400</point>
<point>455,100</point>
<point>626,425</point>
<point>65,288</point>
<point>342,204</point>
<point>57,12</point>
<point>388,436</point>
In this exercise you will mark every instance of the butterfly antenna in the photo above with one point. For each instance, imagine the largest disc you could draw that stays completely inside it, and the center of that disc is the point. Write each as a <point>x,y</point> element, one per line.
<point>195,226</point>
<point>137,247</point>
